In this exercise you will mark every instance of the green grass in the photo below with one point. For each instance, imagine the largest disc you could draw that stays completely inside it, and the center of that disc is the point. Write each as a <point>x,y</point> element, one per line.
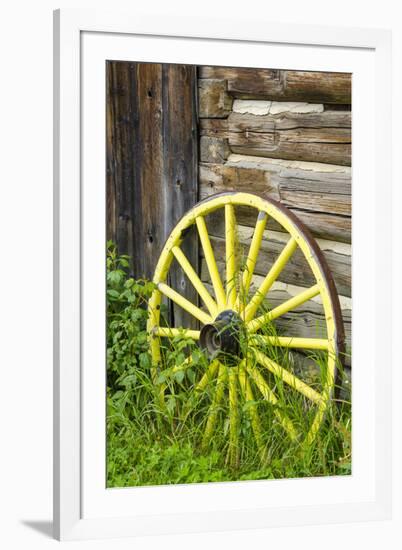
<point>149,443</point>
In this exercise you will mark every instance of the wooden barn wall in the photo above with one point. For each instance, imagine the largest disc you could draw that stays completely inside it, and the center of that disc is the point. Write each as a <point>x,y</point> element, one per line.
<point>286,135</point>
<point>152,164</point>
<point>177,133</point>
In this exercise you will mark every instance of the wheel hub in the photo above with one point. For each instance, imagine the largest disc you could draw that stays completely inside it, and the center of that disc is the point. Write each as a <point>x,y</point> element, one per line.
<point>222,337</point>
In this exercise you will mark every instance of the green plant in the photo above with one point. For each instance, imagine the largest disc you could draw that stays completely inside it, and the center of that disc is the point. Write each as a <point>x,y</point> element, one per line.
<point>151,444</point>
<point>128,359</point>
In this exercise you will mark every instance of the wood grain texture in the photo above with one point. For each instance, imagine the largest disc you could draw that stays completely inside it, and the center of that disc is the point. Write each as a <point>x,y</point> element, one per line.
<point>152,162</point>
<point>147,182</point>
<point>319,194</point>
<point>213,99</point>
<point>299,185</point>
<point>120,132</point>
<point>213,149</point>
<point>180,172</point>
<point>282,85</point>
<point>318,137</point>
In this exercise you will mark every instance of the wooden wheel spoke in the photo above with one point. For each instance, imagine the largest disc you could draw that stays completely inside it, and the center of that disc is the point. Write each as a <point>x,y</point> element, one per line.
<point>290,342</point>
<point>184,303</point>
<point>195,281</point>
<point>208,376</point>
<point>288,377</point>
<point>269,396</point>
<point>166,373</point>
<point>210,260</point>
<point>230,236</point>
<point>252,409</point>
<point>215,406</point>
<point>290,304</point>
<point>168,332</point>
<point>270,278</point>
<point>262,385</point>
<point>233,418</point>
<point>253,254</point>
<point>316,424</point>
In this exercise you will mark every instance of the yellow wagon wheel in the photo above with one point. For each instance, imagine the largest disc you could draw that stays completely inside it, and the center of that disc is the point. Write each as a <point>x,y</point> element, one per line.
<point>232,321</point>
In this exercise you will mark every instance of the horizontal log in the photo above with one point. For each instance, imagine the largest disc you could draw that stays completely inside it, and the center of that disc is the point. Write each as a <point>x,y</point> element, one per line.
<point>321,225</point>
<point>313,186</point>
<point>266,123</point>
<point>289,120</point>
<point>319,202</point>
<point>213,99</point>
<point>282,85</point>
<point>297,270</point>
<point>320,149</point>
<point>319,194</point>
<point>327,226</point>
<point>316,137</point>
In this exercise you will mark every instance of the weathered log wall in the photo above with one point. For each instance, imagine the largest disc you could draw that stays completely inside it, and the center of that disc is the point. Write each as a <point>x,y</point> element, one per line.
<point>279,85</point>
<point>284,135</point>
<point>281,134</point>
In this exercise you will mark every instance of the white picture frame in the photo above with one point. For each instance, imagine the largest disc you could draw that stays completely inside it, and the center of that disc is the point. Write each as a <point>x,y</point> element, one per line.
<point>83,507</point>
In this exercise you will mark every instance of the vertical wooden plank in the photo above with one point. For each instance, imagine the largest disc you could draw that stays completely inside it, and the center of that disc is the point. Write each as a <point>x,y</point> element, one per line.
<point>120,119</point>
<point>149,192</point>
<point>181,169</point>
<point>152,164</point>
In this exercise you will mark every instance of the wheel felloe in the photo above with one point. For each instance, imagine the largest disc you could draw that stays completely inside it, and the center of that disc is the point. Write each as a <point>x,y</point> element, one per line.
<point>234,341</point>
